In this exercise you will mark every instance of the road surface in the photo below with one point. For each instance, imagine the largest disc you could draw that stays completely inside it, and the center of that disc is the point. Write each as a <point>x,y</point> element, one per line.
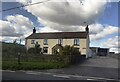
<point>32,75</point>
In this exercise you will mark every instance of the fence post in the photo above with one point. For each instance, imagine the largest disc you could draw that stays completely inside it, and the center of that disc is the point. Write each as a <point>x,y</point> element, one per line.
<point>19,58</point>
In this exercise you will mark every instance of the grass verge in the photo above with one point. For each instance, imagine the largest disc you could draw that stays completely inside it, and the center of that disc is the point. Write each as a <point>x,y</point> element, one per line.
<point>12,65</point>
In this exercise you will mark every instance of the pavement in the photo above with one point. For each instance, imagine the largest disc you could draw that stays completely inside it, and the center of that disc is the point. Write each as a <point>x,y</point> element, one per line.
<point>96,68</point>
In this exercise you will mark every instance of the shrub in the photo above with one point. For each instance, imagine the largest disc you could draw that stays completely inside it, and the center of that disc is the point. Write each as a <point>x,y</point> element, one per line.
<point>69,50</point>
<point>70,54</point>
<point>36,49</point>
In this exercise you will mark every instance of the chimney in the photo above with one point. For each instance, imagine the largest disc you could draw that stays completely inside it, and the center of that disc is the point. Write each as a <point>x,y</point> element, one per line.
<point>34,30</point>
<point>87,29</point>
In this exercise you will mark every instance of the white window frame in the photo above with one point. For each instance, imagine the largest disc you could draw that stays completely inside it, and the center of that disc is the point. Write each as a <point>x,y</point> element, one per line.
<point>45,41</point>
<point>76,41</point>
<point>60,41</point>
<point>32,41</point>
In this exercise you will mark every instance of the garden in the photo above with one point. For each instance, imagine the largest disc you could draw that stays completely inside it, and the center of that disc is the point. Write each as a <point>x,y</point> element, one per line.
<point>15,57</point>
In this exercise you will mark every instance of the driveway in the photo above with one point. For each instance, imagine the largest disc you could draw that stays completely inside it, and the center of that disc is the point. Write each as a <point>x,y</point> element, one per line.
<point>105,67</point>
<point>101,61</point>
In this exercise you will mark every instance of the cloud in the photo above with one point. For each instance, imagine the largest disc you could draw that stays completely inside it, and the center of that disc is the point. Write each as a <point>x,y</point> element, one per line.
<point>102,31</point>
<point>72,15</point>
<point>20,23</point>
<point>47,29</point>
<point>7,38</point>
<point>67,14</point>
<point>7,29</point>
<point>18,26</point>
<point>15,26</point>
<point>112,43</point>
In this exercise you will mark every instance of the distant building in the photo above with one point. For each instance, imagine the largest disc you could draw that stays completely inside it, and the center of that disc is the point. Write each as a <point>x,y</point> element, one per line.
<point>51,42</point>
<point>100,51</point>
<point>111,53</point>
<point>94,50</point>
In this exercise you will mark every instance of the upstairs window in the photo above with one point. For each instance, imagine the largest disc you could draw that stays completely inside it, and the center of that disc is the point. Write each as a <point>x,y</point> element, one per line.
<point>76,42</point>
<point>32,41</point>
<point>60,41</point>
<point>45,42</point>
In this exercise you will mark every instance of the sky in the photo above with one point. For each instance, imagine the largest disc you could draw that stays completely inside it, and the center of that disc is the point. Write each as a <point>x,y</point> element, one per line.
<point>65,15</point>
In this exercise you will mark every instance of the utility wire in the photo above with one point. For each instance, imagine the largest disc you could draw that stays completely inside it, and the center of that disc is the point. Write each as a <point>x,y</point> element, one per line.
<point>24,6</point>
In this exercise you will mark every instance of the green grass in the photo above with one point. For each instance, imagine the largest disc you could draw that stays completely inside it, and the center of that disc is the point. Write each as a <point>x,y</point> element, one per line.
<point>12,65</point>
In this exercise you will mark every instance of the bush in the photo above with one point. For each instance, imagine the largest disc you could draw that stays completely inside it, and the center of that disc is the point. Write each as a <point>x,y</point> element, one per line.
<point>69,50</point>
<point>36,49</point>
<point>70,54</point>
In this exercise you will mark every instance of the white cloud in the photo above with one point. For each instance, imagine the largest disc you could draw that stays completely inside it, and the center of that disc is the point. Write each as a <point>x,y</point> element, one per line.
<point>8,39</point>
<point>112,43</point>
<point>65,15</point>
<point>72,15</point>
<point>96,28</point>
<point>16,26</point>
<point>102,31</point>
<point>20,23</point>
<point>8,29</point>
<point>47,29</point>
<point>61,15</point>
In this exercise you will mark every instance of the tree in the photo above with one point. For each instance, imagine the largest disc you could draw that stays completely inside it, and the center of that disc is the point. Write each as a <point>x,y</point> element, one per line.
<point>36,49</point>
<point>69,50</point>
<point>15,41</point>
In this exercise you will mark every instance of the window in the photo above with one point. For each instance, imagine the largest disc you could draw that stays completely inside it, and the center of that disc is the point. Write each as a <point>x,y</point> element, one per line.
<point>76,42</point>
<point>32,41</point>
<point>45,42</point>
<point>60,41</point>
<point>45,49</point>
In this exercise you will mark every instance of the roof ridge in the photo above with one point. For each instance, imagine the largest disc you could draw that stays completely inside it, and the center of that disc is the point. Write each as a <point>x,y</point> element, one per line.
<point>61,32</point>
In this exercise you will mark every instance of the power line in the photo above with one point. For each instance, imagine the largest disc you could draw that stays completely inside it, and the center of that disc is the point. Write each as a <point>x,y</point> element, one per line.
<point>23,6</point>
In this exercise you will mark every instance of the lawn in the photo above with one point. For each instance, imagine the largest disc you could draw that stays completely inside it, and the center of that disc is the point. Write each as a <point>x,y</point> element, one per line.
<point>13,65</point>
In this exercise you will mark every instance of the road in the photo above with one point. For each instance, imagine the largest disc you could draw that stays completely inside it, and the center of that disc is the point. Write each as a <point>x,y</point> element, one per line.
<point>98,68</point>
<point>32,75</point>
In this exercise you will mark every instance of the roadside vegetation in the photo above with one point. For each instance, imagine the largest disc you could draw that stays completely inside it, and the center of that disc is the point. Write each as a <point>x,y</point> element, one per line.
<point>16,57</point>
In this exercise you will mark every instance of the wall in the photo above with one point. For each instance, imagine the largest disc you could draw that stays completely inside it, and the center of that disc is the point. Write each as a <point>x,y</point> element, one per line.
<point>52,42</point>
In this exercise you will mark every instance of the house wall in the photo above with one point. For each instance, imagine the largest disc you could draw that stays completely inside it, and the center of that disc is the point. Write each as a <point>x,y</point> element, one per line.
<point>88,54</point>
<point>83,46</point>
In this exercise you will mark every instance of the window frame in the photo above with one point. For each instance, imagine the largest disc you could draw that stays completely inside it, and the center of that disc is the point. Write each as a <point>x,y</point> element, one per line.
<point>77,41</point>
<point>60,41</point>
<point>45,41</point>
<point>32,41</point>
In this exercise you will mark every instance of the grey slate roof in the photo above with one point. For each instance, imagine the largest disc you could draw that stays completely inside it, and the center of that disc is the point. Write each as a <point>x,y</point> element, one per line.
<point>57,35</point>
